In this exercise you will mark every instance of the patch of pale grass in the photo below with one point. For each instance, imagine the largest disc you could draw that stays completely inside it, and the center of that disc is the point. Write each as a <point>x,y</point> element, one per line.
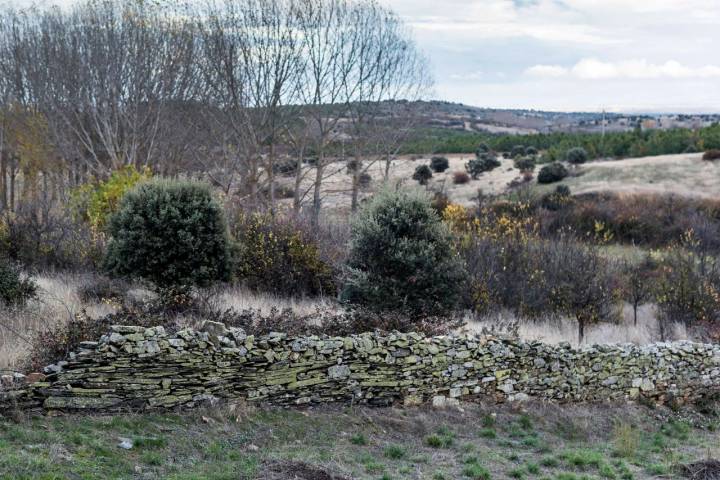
<point>556,331</point>
<point>239,299</point>
<point>57,302</point>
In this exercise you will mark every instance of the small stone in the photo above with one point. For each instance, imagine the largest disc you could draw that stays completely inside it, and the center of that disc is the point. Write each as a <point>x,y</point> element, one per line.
<point>125,443</point>
<point>338,372</point>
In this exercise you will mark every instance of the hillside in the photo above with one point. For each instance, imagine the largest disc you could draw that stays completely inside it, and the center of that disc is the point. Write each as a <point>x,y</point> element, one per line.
<point>683,174</point>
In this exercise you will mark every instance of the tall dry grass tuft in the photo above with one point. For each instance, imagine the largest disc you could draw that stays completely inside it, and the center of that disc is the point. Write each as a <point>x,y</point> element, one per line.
<point>559,330</point>
<point>57,302</point>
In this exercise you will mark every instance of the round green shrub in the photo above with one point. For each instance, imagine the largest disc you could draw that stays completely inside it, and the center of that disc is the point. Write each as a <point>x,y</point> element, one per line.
<point>577,155</point>
<point>402,257</point>
<point>15,288</point>
<point>553,172</point>
<point>485,162</point>
<point>439,164</point>
<point>482,148</point>
<point>531,151</point>
<point>525,164</point>
<point>170,233</point>
<point>517,151</point>
<point>422,174</point>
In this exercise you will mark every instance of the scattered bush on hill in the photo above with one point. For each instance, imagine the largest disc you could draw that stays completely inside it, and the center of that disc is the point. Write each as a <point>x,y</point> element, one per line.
<point>15,287</point>
<point>711,155</point>
<point>422,174</point>
<point>485,162</point>
<point>439,164</point>
<point>482,148</point>
<point>577,155</point>
<point>402,257</point>
<point>460,178</point>
<point>551,173</point>
<point>517,151</point>
<point>525,164</point>
<point>277,254</point>
<point>171,234</point>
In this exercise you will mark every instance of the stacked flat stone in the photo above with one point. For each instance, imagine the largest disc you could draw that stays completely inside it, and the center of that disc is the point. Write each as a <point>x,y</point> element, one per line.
<point>145,368</point>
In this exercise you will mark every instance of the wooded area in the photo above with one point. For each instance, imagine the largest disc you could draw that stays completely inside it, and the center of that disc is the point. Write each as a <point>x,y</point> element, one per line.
<point>233,92</point>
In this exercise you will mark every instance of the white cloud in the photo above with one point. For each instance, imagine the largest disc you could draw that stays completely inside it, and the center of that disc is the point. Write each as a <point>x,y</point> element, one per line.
<point>468,76</point>
<point>594,69</point>
<point>550,71</point>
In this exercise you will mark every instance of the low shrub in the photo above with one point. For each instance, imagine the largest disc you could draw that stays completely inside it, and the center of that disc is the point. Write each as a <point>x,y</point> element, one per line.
<point>439,164</point>
<point>649,220</point>
<point>171,234</point>
<point>103,289</point>
<point>577,155</point>
<point>525,164</point>
<point>711,155</point>
<point>556,200</point>
<point>531,151</point>
<point>485,162</point>
<point>285,167</point>
<point>402,257</point>
<point>59,339</point>
<point>332,323</point>
<point>689,287</point>
<point>365,180</point>
<point>96,201</point>
<point>517,151</point>
<point>422,174</point>
<point>44,234</point>
<point>551,173</point>
<point>15,288</point>
<point>277,254</point>
<point>460,178</point>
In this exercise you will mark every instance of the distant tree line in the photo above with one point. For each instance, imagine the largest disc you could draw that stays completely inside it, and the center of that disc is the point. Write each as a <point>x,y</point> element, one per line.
<point>229,90</point>
<point>636,143</point>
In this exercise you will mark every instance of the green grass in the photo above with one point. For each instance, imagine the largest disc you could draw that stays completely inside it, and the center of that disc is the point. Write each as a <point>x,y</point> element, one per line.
<point>359,443</point>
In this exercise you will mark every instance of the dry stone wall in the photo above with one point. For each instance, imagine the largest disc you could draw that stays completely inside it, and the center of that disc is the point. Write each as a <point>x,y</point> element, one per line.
<point>135,367</point>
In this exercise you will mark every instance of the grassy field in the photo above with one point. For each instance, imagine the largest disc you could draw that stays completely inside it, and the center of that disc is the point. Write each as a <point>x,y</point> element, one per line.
<point>683,175</point>
<point>533,441</point>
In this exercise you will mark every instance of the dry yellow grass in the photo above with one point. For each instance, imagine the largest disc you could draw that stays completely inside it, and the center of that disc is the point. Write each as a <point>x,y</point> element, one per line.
<point>684,174</point>
<point>58,301</point>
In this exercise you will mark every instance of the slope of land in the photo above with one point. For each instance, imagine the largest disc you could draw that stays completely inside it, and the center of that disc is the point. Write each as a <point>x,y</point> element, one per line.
<point>533,441</point>
<point>684,175</point>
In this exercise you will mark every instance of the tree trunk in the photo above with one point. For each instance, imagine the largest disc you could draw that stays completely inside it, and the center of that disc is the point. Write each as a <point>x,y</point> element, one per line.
<point>581,330</point>
<point>319,167</point>
<point>271,177</point>
<point>13,168</point>
<point>298,181</point>
<point>356,183</point>
<point>635,309</point>
<point>3,181</point>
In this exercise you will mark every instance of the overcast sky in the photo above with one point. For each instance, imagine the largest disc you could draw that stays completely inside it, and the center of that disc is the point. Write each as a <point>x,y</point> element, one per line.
<point>619,55</point>
<point>649,55</point>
